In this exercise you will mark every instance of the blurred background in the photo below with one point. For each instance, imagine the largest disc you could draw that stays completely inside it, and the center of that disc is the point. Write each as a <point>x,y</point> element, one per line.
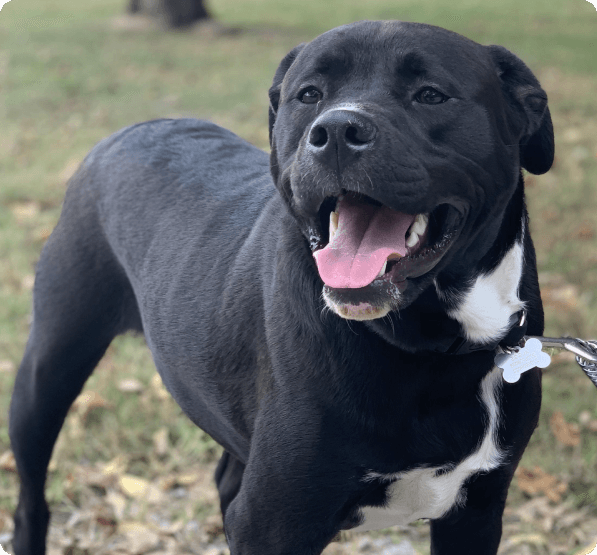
<point>130,474</point>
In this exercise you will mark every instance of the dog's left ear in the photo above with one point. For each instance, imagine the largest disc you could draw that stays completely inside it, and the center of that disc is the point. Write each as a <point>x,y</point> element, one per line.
<point>524,91</point>
<point>274,92</point>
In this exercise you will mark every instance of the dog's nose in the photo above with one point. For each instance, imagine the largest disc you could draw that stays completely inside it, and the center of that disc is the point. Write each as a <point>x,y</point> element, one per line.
<point>338,135</point>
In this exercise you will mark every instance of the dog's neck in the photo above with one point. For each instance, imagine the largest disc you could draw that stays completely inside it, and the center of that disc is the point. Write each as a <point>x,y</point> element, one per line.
<point>474,307</point>
<point>485,302</point>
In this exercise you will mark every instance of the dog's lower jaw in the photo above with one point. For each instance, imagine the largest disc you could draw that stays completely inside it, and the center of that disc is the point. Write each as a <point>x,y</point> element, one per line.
<point>361,312</point>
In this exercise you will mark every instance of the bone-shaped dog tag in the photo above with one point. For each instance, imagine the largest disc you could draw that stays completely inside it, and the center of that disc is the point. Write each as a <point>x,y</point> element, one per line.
<point>529,356</point>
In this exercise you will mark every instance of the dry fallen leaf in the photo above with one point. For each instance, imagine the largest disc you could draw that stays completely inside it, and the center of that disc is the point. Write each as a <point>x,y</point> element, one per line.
<point>69,170</point>
<point>7,462</point>
<point>584,417</point>
<point>585,232</point>
<point>130,385</point>
<point>140,538</point>
<point>166,483</point>
<point>75,428</point>
<point>114,467</point>
<point>133,486</point>
<point>24,211</point>
<point>27,282</point>
<point>7,366</point>
<point>6,522</point>
<point>172,528</point>
<point>90,476</point>
<point>572,135</point>
<point>53,465</point>
<point>534,539</point>
<point>42,233</point>
<point>540,511</point>
<point>566,433</point>
<point>572,519</point>
<point>87,401</point>
<point>117,502</point>
<point>160,441</point>
<point>105,520</point>
<point>213,526</point>
<point>586,420</point>
<point>537,481</point>
<point>158,389</point>
<point>154,495</point>
<point>138,488</point>
<point>534,509</point>
<point>187,479</point>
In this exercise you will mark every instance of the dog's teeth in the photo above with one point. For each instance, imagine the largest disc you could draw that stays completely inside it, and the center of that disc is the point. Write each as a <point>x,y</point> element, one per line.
<point>333,224</point>
<point>419,226</point>
<point>412,240</point>
<point>383,269</point>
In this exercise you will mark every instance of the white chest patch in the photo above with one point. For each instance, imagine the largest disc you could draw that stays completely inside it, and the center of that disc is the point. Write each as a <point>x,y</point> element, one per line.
<point>484,310</point>
<point>419,493</point>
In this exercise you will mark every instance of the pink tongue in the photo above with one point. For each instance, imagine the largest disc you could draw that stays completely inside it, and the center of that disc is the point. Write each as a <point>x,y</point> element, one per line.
<point>366,236</point>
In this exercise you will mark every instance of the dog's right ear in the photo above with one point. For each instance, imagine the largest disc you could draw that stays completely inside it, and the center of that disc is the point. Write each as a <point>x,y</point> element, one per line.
<point>274,92</point>
<point>529,102</point>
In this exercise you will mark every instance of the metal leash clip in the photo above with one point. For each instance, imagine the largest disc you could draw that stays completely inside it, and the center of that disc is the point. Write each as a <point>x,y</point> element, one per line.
<point>529,354</point>
<point>584,350</point>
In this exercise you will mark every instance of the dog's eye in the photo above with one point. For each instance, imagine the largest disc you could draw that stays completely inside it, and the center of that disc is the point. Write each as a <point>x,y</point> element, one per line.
<point>310,96</point>
<point>429,95</point>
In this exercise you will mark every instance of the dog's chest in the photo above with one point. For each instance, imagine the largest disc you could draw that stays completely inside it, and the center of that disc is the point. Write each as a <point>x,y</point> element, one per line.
<point>431,492</point>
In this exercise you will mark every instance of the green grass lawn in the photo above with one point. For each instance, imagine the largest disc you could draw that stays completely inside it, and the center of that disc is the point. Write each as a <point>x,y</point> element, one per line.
<point>70,74</point>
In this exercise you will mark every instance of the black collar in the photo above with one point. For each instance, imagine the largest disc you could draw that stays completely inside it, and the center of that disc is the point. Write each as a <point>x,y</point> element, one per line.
<point>517,330</point>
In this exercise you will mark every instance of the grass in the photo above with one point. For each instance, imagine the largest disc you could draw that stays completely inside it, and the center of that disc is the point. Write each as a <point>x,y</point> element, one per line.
<point>69,76</point>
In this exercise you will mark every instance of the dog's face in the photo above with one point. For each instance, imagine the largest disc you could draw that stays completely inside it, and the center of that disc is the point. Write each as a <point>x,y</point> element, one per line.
<point>397,147</point>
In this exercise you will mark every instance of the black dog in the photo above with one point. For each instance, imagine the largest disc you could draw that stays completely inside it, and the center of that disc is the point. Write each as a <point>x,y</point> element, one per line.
<point>397,203</point>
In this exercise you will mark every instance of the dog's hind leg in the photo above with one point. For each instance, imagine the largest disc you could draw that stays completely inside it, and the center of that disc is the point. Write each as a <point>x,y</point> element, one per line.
<point>228,476</point>
<point>81,301</point>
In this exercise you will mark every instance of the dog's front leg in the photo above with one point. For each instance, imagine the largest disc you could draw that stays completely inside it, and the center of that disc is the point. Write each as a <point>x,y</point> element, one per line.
<point>476,527</point>
<point>295,489</point>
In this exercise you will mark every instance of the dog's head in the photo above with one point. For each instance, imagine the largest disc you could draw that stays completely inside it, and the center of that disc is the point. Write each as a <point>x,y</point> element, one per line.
<point>398,147</point>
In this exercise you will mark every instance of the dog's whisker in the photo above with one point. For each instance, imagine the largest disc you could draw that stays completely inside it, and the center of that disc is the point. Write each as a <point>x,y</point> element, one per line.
<point>324,308</point>
<point>368,177</point>
<point>349,326</point>
<point>389,318</point>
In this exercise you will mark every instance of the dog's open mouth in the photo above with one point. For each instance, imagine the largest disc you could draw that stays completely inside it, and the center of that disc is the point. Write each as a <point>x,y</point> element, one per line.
<point>369,244</point>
